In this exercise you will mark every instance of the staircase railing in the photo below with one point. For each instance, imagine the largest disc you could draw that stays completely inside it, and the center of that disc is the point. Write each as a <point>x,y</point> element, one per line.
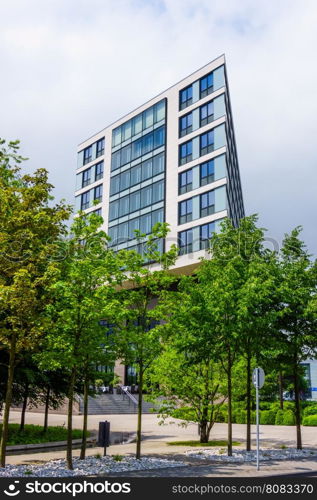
<point>125,392</point>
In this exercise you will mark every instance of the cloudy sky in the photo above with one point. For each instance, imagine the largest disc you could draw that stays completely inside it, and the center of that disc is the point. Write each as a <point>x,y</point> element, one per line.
<point>71,67</point>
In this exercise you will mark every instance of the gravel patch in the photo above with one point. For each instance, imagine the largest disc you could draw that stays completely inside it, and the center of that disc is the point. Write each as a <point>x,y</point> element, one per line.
<point>91,466</point>
<point>219,454</point>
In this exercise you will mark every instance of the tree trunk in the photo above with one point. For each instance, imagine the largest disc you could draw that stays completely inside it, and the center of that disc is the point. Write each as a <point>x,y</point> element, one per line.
<point>229,386</point>
<point>297,407</point>
<point>47,405</point>
<point>248,443</point>
<point>8,400</point>
<point>69,454</point>
<point>280,385</point>
<point>85,419</point>
<point>25,402</point>
<point>203,431</point>
<point>138,434</point>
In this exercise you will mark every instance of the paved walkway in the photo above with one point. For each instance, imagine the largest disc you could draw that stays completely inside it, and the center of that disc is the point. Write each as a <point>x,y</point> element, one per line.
<point>155,438</point>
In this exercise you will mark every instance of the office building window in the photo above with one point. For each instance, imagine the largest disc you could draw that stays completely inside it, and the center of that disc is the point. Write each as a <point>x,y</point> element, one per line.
<point>125,180</point>
<point>186,97</point>
<point>185,241</point>
<point>146,196</point>
<point>99,171</point>
<point>134,225</point>
<point>86,177</point>
<point>185,211</point>
<point>136,175</point>
<point>98,193</point>
<point>157,191</point>
<point>185,125</point>
<point>123,206</point>
<point>100,147</point>
<point>207,203</point>
<point>148,118</point>
<point>206,231</point>
<point>206,85</point>
<point>206,113</point>
<point>158,164</point>
<point>185,152</point>
<point>135,201</point>
<point>85,200</point>
<point>207,172</point>
<point>114,185</point>
<point>207,143</point>
<point>159,111</point>
<point>147,169</point>
<point>126,131</point>
<point>185,181</point>
<point>96,212</point>
<point>87,155</point>
<point>114,210</point>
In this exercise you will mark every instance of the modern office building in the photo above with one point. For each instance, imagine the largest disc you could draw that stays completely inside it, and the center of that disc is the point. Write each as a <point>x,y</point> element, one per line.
<point>172,159</point>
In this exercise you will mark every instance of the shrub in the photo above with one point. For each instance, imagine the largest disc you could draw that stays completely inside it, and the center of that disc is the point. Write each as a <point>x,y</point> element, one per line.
<point>288,418</point>
<point>239,416</point>
<point>267,417</point>
<point>279,417</point>
<point>264,405</point>
<point>310,420</point>
<point>310,410</point>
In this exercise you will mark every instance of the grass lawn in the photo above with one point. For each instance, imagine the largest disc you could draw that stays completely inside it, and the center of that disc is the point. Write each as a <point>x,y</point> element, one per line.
<point>198,443</point>
<point>33,434</point>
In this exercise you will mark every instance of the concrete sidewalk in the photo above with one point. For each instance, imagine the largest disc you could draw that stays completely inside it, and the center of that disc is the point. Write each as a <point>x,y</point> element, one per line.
<point>156,437</point>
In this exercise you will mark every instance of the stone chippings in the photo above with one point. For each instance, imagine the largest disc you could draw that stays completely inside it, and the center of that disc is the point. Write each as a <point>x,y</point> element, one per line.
<point>91,466</point>
<point>219,454</point>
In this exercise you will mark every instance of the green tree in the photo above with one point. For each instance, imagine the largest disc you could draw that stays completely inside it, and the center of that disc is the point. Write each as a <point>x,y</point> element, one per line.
<point>296,321</point>
<point>82,289</point>
<point>186,377</point>
<point>142,305</point>
<point>192,391</point>
<point>29,224</point>
<point>235,284</point>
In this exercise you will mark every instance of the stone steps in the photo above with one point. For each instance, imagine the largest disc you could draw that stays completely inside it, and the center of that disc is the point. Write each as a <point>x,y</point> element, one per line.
<point>112,404</point>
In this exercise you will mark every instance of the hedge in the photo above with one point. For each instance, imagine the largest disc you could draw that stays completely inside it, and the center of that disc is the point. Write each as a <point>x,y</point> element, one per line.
<point>310,410</point>
<point>310,420</point>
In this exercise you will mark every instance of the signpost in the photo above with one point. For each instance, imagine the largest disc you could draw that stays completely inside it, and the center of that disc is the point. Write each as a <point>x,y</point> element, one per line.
<point>258,378</point>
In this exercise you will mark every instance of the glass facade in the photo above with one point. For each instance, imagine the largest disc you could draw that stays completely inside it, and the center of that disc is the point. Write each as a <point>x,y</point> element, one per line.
<point>139,123</point>
<point>137,148</point>
<point>137,200</point>
<point>137,165</point>
<point>140,172</point>
<point>137,192</point>
<point>126,231</point>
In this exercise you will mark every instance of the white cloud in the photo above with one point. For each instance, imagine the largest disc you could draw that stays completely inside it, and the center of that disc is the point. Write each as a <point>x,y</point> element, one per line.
<point>70,68</point>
